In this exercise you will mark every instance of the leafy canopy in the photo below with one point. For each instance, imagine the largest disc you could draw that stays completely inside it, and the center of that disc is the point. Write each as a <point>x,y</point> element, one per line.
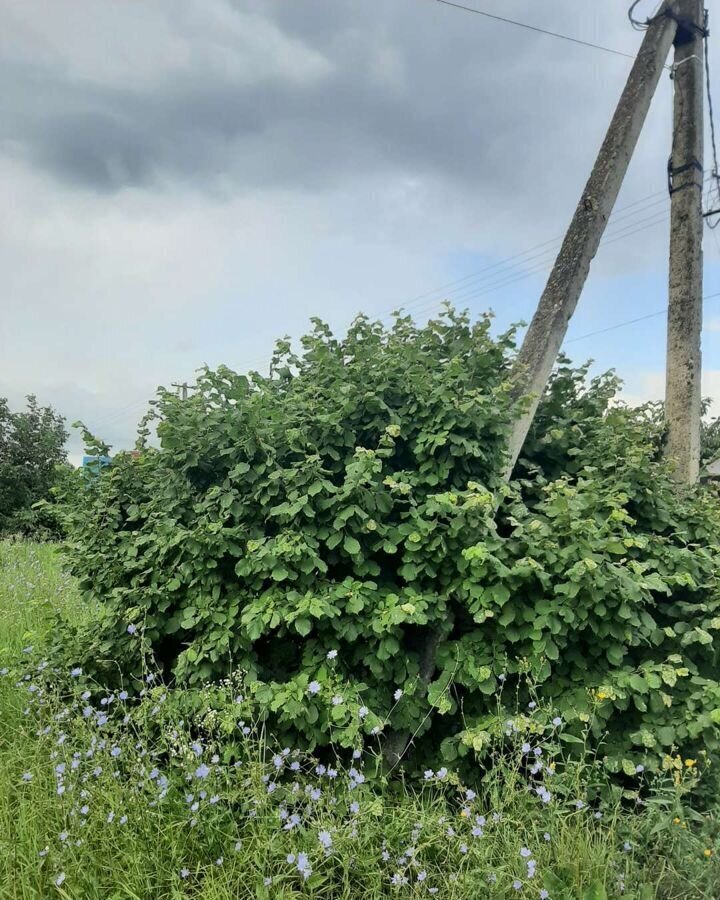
<point>31,448</point>
<point>351,503</point>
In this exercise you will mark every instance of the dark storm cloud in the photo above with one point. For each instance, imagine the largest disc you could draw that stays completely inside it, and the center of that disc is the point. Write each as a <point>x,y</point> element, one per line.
<point>94,149</point>
<point>407,89</point>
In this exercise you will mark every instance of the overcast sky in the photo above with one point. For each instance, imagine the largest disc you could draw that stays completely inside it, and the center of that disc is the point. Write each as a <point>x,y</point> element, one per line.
<point>186,180</point>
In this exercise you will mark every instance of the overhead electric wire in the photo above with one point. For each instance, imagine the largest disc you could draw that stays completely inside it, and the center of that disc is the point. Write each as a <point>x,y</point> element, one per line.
<point>652,315</point>
<point>636,23</point>
<point>444,289</point>
<point>504,273</point>
<point>617,215</point>
<point>115,414</point>
<point>627,322</point>
<point>545,31</point>
<point>599,331</point>
<point>550,248</point>
<point>434,298</point>
<point>508,278</point>
<point>715,174</point>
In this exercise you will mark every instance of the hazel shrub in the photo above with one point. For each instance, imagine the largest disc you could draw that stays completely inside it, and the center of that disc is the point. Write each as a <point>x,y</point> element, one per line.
<point>340,531</point>
<point>148,789</point>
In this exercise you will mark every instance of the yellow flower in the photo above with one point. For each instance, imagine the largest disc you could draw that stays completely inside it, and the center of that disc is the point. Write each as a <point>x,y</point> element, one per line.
<point>690,763</point>
<point>676,821</point>
<point>602,695</point>
<point>707,853</point>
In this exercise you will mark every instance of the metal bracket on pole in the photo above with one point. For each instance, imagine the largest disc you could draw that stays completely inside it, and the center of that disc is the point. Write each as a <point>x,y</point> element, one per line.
<point>687,29</point>
<point>675,66</point>
<point>693,165</point>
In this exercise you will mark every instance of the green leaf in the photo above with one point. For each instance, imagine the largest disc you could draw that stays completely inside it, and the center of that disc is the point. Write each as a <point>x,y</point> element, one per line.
<point>628,767</point>
<point>570,738</point>
<point>499,593</point>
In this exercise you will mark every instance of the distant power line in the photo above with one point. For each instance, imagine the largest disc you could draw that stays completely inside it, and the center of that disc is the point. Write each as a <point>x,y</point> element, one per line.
<point>652,315</point>
<point>511,270</point>
<point>504,273</point>
<point>555,34</point>
<point>581,337</point>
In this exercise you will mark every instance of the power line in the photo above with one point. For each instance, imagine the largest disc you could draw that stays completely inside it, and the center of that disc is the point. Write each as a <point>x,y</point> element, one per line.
<point>117,413</point>
<point>516,259</point>
<point>636,23</point>
<point>509,270</point>
<point>652,315</point>
<point>599,331</point>
<point>508,278</point>
<point>618,215</point>
<point>464,290</point>
<point>504,273</point>
<point>555,34</point>
<point>715,175</point>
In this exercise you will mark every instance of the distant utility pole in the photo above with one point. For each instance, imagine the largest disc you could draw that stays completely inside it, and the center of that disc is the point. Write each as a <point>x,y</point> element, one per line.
<point>683,397</point>
<point>549,324</point>
<point>182,389</point>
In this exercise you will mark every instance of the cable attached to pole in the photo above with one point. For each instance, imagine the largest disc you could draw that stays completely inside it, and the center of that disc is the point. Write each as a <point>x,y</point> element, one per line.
<point>636,23</point>
<point>712,195</point>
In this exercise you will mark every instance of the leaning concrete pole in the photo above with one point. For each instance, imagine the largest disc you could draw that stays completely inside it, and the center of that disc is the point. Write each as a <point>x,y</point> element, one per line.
<point>684,370</point>
<point>559,299</point>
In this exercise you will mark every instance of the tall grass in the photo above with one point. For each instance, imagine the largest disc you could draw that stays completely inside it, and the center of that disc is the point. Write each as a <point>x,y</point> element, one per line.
<point>178,794</point>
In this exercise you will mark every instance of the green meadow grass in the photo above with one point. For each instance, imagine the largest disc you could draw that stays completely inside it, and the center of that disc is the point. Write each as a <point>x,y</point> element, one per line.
<point>93,809</point>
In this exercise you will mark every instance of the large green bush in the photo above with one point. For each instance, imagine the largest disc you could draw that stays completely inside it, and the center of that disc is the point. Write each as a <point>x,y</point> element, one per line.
<point>340,532</point>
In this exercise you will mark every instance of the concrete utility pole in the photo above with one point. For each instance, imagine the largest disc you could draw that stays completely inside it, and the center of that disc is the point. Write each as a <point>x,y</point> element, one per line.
<point>685,171</point>
<point>559,299</point>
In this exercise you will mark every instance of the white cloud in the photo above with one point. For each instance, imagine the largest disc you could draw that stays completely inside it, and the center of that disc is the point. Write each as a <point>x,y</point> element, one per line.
<point>186,180</point>
<point>643,387</point>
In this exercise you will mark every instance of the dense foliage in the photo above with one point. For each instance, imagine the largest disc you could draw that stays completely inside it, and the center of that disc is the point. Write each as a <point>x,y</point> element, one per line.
<point>31,450</point>
<point>339,531</point>
<point>181,793</point>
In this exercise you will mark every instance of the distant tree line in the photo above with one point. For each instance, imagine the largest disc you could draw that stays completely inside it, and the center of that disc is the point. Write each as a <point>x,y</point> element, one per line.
<point>32,460</point>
